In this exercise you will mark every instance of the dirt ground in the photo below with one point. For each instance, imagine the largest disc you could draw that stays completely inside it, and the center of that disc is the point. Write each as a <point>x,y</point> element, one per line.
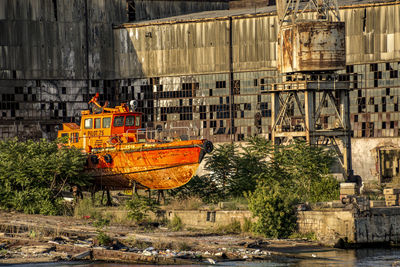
<point>36,238</point>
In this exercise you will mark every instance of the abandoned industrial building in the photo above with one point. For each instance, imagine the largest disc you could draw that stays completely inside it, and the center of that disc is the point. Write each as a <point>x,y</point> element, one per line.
<point>206,65</point>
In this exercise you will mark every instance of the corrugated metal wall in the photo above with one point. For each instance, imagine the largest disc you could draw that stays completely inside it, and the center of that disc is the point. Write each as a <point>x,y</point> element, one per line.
<point>202,46</point>
<point>47,39</point>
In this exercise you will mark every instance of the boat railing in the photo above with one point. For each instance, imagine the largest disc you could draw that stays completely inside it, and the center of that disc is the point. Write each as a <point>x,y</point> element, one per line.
<point>150,134</point>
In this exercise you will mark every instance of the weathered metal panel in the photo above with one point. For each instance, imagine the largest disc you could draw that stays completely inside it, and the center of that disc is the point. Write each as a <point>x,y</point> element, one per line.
<point>312,46</point>
<point>160,50</point>
<point>47,39</point>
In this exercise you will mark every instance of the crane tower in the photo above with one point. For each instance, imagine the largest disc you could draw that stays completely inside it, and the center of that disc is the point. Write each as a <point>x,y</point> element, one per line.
<point>311,49</point>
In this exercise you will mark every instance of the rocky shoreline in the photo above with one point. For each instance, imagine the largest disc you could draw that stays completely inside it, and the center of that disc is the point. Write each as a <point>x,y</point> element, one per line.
<point>36,238</point>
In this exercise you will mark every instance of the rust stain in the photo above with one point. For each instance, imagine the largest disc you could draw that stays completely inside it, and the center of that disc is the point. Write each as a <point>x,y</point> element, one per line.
<point>163,166</point>
<point>312,46</point>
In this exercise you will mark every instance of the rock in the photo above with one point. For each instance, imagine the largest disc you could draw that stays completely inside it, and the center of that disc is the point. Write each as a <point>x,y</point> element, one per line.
<point>245,257</point>
<point>149,249</point>
<point>211,261</point>
<point>82,255</point>
<point>256,244</point>
<point>37,249</point>
<point>221,255</point>
<point>147,253</point>
<point>116,245</point>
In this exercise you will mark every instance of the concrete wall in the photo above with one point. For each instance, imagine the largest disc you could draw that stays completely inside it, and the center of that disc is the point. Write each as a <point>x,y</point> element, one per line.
<point>328,226</point>
<point>208,219</point>
<point>366,161</point>
<point>375,225</point>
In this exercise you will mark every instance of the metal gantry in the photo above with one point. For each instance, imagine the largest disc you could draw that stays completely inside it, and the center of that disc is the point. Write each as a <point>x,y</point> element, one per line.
<point>310,51</point>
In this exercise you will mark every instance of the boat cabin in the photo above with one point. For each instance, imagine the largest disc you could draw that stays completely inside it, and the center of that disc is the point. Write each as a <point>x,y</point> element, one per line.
<point>108,127</point>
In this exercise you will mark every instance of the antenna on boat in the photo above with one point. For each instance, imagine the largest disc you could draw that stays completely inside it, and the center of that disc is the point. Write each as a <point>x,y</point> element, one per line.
<point>133,105</point>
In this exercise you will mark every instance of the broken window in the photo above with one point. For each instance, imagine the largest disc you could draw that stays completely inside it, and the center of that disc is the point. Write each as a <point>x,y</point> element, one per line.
<point>131,10</point>
<point>389,165</point>
<point>220,84</point>
<point>211,216</point>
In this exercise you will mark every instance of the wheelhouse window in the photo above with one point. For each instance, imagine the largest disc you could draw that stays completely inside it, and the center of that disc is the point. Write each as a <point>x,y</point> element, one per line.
<point>106,122</point>
<point>89,123</point>
<point>130,121</point>
<point>119,121</point>
<point>97,123</point>
<point>137,121</point>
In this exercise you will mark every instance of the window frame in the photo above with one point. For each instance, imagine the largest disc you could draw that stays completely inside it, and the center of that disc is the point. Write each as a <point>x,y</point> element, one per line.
<point>94,124</point>
<point>109,123</point>
<point>123,121</point>
<point>133,122</point>
<point>91,123</point>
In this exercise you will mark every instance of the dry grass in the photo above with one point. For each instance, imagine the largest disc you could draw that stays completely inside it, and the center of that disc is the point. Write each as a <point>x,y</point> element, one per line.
<point>193,203</point>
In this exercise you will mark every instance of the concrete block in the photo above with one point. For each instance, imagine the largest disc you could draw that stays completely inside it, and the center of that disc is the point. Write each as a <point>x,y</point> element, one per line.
<point>391,203</point>
<point>348,185</point>
<point>377,203</point>
<point>391,191</point>
<point>348,191</point>
<point>391,197</point>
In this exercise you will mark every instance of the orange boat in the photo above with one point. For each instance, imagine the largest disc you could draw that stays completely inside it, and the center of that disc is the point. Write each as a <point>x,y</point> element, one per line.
<point>121,153</point>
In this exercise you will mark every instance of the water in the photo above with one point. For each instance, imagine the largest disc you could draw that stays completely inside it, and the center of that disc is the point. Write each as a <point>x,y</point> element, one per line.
<point>326,257</point>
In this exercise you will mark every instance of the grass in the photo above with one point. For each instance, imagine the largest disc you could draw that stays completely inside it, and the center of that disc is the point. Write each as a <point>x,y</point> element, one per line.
<point>247,225</point>
<point>183,246</point>
<point>175,224</point>
<point>193,203</point>
<point>233,227</point>
<point>308,236</point>
<point>86,209</point>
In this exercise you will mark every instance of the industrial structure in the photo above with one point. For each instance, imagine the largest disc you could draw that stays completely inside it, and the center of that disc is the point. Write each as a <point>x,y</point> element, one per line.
<point>309,53</point>
<point>207,70</point>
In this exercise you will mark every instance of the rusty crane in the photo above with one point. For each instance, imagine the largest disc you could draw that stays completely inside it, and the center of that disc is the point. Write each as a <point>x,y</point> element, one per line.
<point>311,49</point>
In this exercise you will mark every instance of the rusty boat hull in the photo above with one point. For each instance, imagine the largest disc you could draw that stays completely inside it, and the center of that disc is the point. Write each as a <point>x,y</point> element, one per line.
<point>150,165</point>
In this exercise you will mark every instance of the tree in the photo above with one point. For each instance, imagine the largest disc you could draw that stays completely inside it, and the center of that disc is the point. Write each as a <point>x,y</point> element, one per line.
<point>295,174</point>
<point>33,174</point>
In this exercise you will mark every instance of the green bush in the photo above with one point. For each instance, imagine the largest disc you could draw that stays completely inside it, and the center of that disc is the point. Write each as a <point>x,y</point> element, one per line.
<point>139,208</point>
<point>295,174</point>
<point>175,224</point>
<point>274,208</point>
<point>33,174</point>
<point>103,238</point>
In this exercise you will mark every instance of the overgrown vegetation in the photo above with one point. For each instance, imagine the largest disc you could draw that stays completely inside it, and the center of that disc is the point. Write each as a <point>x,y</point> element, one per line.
<point>102,238</point>
<point>273,179</point>
<point>139,208</point>
<point>233,227</point>
<point>33,175</point>
<point>175,224</point>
